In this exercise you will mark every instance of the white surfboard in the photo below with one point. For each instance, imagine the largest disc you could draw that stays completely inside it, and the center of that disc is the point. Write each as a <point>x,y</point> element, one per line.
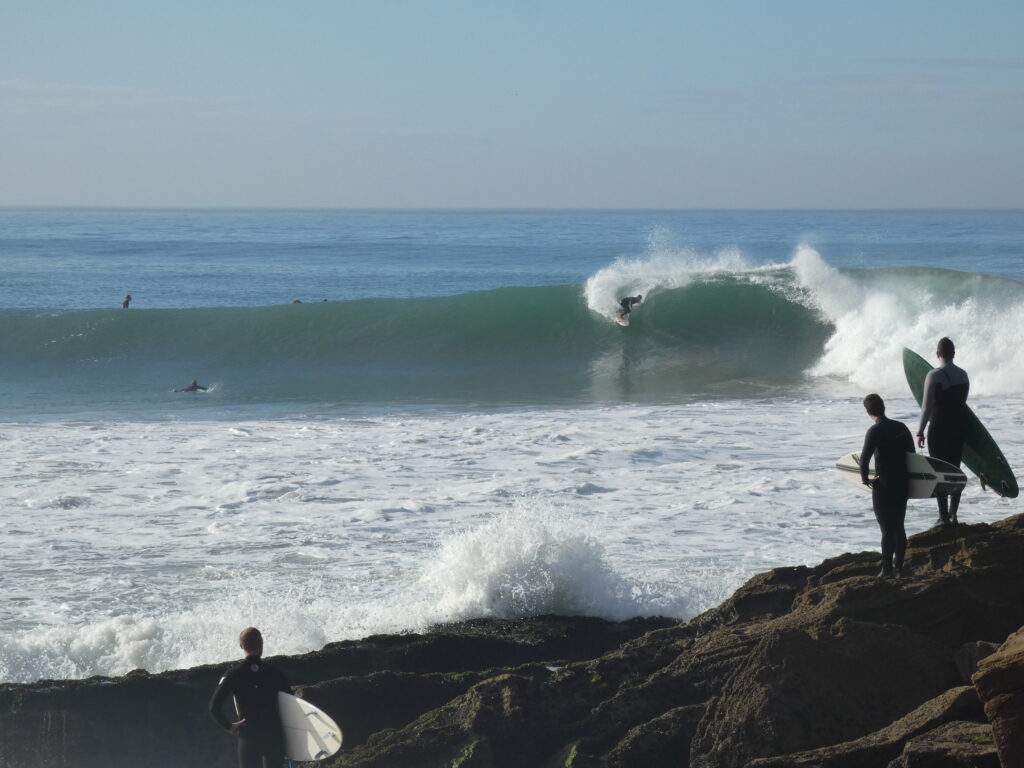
<point>309,734</point>
<point>621,319</point>
<point>929,477</point>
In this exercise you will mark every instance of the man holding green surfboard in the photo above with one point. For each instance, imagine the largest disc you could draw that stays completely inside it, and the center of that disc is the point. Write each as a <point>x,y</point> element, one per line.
<point>944,411</point>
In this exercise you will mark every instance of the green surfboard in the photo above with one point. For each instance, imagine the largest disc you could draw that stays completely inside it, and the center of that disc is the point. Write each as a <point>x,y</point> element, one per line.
<point>981,454</point>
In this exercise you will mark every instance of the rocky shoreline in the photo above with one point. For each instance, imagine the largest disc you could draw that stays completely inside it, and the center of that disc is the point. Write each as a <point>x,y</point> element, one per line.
<point>817,667</point>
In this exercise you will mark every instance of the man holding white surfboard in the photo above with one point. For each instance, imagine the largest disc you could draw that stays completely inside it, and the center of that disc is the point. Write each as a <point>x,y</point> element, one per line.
<point>889,442</point>
<point>254,685</point>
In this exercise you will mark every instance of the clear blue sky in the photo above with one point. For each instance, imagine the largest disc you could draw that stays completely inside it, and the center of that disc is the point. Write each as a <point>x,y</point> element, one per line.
<point>383,103</point>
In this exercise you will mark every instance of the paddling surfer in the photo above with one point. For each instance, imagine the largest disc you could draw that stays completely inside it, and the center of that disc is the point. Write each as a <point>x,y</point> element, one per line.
<point>889,442</point>
<point>195,386</point>
<point>944,412</point>
<point>254,684</point>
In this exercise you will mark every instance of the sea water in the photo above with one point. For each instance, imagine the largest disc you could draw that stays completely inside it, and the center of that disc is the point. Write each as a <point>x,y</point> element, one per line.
<point>449,424</point>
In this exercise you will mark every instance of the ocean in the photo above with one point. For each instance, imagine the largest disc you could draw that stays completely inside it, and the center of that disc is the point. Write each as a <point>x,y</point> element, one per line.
<point>448,424</point>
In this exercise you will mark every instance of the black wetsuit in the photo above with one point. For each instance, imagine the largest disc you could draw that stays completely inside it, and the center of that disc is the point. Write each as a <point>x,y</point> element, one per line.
<point>889,442</point>
<point>627,304</point>
<point>254,684</point>
<point>944,411</point>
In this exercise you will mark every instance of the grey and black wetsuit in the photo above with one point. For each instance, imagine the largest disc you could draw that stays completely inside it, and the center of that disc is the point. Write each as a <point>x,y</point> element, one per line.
<point>254,684</point>
<point>944,412</point>
<point>889,442</point>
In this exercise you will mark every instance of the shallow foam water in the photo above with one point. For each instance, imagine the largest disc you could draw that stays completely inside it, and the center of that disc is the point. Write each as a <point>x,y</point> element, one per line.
<point>147,544</point>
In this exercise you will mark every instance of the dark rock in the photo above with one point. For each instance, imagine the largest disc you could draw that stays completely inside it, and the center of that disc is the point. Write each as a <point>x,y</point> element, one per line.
<point>161,720</point>
<point>955,745</point>
<point>799,663</point>
<point>885,745</point>
<point>970,655</point>
<point>1000,684</point>
<point>800,689</point>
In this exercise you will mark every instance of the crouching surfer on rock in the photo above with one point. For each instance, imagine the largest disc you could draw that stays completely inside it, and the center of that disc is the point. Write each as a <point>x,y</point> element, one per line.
<point>254,684</point>
<point>888,441</point>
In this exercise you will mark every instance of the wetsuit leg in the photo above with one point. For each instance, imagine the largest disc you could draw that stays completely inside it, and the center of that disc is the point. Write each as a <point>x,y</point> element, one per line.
<point>249,754</point>
<point>890,512</point>
<point>897,520</point>
<point>252,753</point>
<point>943,445</point>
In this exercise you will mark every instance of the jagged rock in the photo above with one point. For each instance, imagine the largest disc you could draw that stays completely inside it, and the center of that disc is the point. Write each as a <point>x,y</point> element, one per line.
<point>800,689</point>
<point>954,745</point>
<point>970,655</point>
<point>160,721</point>
<point>798,660</point>
<point>885,745</point>
<point>1000,684</point>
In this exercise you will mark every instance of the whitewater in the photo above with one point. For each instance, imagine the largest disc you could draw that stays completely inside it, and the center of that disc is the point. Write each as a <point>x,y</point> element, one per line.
<point>382,465</point>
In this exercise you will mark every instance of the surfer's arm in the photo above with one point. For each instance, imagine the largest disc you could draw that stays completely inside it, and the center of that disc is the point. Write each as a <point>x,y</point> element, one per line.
<point>908,441</point>
<point>931,383</point>
<point>865,455</point>
<point>217,706</point>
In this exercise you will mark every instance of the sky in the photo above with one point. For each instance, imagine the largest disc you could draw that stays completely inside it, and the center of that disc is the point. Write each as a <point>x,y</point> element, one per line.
<point>518,104</point>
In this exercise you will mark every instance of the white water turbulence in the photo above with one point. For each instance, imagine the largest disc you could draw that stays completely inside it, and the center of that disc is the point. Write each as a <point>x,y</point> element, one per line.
<point>529,562</point>
<point>150,544</point>
<point>665,266</point>
<point>877,313</point>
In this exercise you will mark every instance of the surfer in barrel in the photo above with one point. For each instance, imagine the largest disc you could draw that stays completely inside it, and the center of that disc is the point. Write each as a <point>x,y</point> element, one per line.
<point>944,412</point>
<point>254,684</point>
<point>626,305</point>
<point>889,442</point>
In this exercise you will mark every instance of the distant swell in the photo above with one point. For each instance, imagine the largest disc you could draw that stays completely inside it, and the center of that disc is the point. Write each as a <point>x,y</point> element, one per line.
<point>706,326</point>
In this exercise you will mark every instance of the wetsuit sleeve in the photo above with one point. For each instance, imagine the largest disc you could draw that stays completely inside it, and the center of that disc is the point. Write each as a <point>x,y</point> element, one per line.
<point>908,441</point>
<point>866,453</point>
<point>283,684</point>
<point>931,384</point>
<point>217,703</point>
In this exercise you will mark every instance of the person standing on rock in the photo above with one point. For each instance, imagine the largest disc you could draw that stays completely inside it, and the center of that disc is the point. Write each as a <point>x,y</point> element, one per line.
<point>254,684</point>
<point>944,412</point>
<point>889,442</point>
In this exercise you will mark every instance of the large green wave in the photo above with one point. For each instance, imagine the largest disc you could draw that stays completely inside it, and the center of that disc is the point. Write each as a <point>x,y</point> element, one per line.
<point>509,344</point>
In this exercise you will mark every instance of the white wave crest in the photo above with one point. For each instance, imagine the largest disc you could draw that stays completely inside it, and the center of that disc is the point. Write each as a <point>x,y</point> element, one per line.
<point>879,313</point>
<point>664,266</point>
<point>528,564</point>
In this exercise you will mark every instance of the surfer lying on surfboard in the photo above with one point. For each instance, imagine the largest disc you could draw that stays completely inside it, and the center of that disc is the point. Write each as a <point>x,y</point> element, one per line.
<point>195,386</point>
<point>626,305</point>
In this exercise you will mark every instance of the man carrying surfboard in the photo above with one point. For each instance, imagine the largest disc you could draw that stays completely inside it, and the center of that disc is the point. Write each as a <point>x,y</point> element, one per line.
<point>944,411</point>
<point>889,442</point>
<point>254,684</point>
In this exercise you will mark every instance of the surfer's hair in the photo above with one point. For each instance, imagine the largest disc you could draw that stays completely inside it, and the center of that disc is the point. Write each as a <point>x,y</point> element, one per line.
<point>874,405</point>
<point>946,349</point>
<point>250,639</point>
